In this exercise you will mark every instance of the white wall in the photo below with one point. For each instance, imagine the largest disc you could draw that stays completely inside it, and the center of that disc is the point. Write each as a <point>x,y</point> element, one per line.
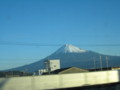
<point>54,64</point>
<point>59,81</point>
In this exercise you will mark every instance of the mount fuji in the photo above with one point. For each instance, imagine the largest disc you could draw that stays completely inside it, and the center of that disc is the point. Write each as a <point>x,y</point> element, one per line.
<point>70,55</point>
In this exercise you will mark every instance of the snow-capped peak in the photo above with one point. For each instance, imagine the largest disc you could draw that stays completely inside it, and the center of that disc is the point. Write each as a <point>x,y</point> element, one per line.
<point>67,48</point>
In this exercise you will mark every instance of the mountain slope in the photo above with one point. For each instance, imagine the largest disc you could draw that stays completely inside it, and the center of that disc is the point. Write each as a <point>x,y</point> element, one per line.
<point>70,55</point>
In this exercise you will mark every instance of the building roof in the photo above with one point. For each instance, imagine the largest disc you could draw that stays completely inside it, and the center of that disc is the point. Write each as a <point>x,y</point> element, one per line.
<point>69,70</point>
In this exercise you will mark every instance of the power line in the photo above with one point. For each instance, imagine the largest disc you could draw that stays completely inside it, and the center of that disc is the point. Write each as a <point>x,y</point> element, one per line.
<point>27,44</point>
<point>41,44</point>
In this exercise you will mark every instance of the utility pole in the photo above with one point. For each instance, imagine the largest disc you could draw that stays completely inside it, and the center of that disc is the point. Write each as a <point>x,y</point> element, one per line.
<point>107,62</point>
<point>101,63</point>
<point>94,63</point>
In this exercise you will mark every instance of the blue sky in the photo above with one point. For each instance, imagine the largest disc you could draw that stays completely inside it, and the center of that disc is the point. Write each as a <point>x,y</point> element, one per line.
<point>56,22</point>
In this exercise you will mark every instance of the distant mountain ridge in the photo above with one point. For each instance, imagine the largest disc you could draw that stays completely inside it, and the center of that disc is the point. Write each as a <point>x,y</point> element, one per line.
<point>70,55</point>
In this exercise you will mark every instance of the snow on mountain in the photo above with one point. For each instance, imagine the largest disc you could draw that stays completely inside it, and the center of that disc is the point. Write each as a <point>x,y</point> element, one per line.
<point>67,48</point>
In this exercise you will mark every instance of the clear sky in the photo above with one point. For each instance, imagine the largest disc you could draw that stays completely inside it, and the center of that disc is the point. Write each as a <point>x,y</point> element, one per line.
<point>55,23</point>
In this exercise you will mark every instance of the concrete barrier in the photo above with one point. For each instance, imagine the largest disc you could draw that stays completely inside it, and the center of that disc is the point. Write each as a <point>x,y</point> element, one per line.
<point>59,81</point>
